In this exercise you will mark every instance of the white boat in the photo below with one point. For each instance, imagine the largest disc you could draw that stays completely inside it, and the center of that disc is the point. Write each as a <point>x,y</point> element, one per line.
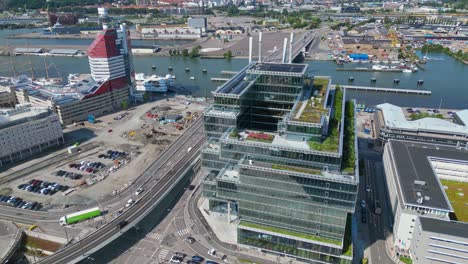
<point>153,83</point>
<point>47,81</point>
<point>192,78</point>
<point>407,71</point>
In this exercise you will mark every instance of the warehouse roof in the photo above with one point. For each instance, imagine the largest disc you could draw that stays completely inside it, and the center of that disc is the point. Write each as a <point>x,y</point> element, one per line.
<point>416,178</point>
<point>394,118</point>
<point>451,228</point>
<point>64,51</point>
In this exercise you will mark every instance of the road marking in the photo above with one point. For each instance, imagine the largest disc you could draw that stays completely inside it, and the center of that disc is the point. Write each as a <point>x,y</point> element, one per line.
<point>82,234</point>
<point>162,255</point>
<point>154,235</point>
<point>183,232</point>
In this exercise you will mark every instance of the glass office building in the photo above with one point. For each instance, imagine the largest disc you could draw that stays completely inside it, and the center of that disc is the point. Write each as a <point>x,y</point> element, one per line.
<point>279,155</point>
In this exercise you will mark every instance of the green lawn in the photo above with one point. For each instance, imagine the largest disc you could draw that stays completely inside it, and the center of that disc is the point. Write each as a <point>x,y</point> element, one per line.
<point>289,233</point>
<point>415,116</point>
<point>313,112</point>
<point>458,202</point>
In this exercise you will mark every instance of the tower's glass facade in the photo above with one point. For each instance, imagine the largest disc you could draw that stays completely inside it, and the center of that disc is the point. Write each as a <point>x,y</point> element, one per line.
<point>275,154</point>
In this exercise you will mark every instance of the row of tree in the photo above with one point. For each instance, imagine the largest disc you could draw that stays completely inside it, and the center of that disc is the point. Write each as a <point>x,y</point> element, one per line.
<point>193,53</point>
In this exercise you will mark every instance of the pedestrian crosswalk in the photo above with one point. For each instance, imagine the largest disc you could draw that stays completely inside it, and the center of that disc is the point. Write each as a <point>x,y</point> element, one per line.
<point>155,236</point>
<point>163,254</point>
<point>184,231</point>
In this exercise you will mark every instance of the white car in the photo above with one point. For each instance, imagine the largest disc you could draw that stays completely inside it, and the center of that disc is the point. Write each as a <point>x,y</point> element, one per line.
<point>139,191</point>
<point>129,203</point>
<point>212,252</point>
<point>367,188</point>
<point>363,204</point>
<point>175,259</point>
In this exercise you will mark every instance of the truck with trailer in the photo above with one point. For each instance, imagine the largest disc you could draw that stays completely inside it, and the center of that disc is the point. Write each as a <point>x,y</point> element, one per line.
<point>80,216</point>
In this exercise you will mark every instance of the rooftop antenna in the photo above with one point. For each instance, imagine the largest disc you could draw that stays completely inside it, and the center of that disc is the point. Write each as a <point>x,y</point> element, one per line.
<point>285,45</point>
<point>291,47</point>
<point>260,47</point>
<point>250,49</point>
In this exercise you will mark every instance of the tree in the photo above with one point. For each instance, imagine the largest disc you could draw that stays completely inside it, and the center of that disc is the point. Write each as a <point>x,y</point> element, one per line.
<point>124,105</point>
<point>185,53</point>
<point>146,97</point>
<point>228,54</point>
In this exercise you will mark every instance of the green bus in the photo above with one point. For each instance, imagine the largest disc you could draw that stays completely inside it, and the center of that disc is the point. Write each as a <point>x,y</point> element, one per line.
<point>80,216</point>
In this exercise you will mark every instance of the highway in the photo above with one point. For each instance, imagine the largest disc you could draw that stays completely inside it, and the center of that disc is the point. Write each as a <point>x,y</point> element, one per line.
<point>299,44</point>
<point>166,170</point>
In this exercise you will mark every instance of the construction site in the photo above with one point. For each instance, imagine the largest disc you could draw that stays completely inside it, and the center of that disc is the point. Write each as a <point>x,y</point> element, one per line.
<point>110,154</point>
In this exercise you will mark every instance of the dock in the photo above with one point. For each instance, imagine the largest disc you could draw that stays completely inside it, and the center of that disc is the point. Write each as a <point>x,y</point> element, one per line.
<point>368,70</point>
<point>215,79</point>
<point>389,90</point>
<point>229,72</point>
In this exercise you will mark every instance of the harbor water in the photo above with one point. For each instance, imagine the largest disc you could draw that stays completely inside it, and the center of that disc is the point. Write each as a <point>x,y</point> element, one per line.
<point>444,76</point>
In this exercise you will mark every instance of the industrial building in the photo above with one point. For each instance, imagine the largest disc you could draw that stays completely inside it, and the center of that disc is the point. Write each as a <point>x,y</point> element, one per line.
<point>419,178</point>
<point>198,22</point>
<point>391,123</point>
<point>26,131</point>
<point>171,31</point>
<point>106,90</point>
<point>280,162</point>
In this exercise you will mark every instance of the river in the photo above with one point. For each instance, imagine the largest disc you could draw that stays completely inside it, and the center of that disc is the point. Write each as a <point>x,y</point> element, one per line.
<point>444,76</point>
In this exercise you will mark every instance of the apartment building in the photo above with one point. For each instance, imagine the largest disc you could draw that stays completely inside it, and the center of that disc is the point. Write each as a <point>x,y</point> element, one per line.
<point>26,131</point>
<point>280,161</point>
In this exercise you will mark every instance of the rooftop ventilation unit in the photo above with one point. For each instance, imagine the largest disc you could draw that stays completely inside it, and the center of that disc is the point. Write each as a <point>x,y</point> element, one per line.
<point>420,200</point>
<point>427,198</point>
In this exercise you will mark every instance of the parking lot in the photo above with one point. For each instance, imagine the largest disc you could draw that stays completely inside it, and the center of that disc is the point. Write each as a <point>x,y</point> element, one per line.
<point>122,145</point>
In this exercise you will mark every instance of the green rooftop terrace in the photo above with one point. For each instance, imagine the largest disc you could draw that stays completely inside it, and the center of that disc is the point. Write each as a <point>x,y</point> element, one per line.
<point>332,141</point>
<point>457,193</point>
<point>312,109</point>
<point>290,233</point>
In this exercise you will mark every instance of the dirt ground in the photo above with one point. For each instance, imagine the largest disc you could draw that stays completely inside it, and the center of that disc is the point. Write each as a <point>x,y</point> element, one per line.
<point>142,137</point>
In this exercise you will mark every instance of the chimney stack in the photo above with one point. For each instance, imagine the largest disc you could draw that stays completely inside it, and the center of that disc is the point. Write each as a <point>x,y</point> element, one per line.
<point>250,49</point>
<point>291,47</point>
<point>260,47</point>
<point>285,46</point>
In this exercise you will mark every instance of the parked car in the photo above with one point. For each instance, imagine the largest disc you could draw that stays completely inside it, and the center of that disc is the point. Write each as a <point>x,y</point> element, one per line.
<point>197,258</point>
<point>212,252</point>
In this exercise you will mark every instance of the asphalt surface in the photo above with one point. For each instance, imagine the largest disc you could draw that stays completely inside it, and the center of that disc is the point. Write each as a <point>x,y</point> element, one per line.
<point>160,176</point>
<point>35,217</point>
<point>378,226</point>
<point>299,43</point>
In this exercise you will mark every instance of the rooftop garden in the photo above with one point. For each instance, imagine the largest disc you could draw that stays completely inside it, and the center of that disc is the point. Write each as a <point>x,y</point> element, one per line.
<point>349,154</point>
<point>296,169</point>
<point>290,233</point>
<point>261,137</point>
<point>416,116</point>
<point>457,193</point>
<point>313,109</point>
<point>331,143</point>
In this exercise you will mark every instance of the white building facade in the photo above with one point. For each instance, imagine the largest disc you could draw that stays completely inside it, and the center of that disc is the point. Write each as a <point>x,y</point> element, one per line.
<point>26,131</point>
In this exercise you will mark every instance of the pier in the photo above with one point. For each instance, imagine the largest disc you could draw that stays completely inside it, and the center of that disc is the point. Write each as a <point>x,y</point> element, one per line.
<point>215,79</point>
<point>368,70</point>
<point>382,89</point>
<point>229,72</point>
